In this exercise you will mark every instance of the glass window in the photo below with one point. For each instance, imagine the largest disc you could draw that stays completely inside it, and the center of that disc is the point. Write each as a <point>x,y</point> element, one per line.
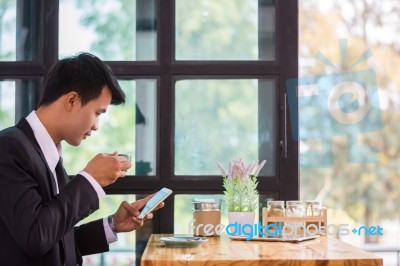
<point>113,30</point>
<point>7,104</point>
<point>18,37</point>
<point>205,31</point>
<point>219,120</point>
<point>128,128</point>
<point>129,247</point>
<point>202,116</point>
<point>349,108</point>
<point>17,99</point>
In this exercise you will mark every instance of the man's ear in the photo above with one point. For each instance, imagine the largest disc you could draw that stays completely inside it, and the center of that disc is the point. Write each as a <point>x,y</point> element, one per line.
<point>71,100</point>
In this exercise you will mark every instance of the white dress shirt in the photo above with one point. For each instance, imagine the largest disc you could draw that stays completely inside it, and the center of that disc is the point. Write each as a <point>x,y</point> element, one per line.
<point>52,153</point>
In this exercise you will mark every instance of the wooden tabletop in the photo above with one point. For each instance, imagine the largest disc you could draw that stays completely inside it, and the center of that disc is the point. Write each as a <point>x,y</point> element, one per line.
<point>224,251</point>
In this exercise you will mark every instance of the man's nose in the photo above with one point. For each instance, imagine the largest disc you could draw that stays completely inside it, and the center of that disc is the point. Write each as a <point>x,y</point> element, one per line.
<point>95,126</point>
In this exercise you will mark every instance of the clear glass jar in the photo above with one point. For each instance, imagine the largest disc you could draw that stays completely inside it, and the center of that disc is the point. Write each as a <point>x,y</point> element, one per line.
<point>294,208</point>
<point>206,217</point>
<point>276,208</point>
<point>313,208</point>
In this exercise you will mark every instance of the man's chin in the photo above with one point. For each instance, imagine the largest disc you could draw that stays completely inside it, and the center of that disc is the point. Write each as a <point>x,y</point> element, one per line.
<point>74,143</point>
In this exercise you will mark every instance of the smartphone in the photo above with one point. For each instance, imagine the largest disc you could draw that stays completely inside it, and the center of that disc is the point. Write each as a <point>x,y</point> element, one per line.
<point>154,201</point>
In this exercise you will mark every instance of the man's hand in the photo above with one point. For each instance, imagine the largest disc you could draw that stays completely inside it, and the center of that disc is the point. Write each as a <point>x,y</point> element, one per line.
<point>126,218</point>
<point>107,168</point>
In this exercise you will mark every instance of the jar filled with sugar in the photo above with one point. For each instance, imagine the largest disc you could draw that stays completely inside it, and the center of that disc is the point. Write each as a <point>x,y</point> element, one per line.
<point>206,217</point>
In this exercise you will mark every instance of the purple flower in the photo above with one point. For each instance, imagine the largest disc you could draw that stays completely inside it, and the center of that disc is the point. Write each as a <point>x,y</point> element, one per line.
<point>221,169</point>
<point>237,169</point>
<point>259,168</point>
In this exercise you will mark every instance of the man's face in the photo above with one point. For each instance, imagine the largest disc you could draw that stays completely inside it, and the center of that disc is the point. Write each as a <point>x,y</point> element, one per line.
<point>85,119</point>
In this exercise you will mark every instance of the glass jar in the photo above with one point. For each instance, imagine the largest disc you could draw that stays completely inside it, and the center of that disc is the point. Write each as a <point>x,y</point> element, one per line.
<point>206,217</point>
<point>313,208</point>
<point>276,208</point>
<point>294,208</point>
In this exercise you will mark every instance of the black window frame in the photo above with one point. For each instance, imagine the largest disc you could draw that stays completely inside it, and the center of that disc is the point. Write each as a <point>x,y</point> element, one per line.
<point>165,69</point>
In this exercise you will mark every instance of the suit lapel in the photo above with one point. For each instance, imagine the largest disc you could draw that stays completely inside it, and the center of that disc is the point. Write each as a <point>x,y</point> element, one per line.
<point>67,243</point>
<point>24,126</point>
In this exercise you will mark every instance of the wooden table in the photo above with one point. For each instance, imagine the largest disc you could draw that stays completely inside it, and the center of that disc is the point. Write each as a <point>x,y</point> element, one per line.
<point>224,251</point>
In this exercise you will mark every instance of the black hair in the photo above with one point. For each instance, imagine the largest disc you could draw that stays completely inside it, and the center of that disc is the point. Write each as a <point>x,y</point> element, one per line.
<point>84,73</point>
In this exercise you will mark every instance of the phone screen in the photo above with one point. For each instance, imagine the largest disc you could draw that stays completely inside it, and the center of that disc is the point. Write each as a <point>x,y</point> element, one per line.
<point>155,200</point>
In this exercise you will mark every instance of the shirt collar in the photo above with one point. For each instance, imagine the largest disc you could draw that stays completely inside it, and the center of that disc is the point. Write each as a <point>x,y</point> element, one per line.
<point>51,152</point>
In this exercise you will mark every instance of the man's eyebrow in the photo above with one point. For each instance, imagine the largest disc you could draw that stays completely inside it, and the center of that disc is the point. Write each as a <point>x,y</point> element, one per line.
<point>102,110</point>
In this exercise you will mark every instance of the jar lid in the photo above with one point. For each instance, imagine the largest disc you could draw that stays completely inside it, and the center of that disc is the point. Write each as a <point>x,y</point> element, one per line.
<point>294,202</point>
<point>276,202</point>
<point>206,205</point>
<point>313,202</point>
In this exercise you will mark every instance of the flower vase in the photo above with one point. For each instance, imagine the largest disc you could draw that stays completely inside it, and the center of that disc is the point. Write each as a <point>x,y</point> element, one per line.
<point>240,221</point>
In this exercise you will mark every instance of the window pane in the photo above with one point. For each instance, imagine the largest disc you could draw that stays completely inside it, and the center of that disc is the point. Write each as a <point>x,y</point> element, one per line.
<point>351,156</point>
<point>17,100</point>
<point>129,247</point>
<point>113,30</point>
<point>128,128</point>
<point>221,120</point>
<point>18,37</point>
<point>225,30</point>
<point>7,104</point>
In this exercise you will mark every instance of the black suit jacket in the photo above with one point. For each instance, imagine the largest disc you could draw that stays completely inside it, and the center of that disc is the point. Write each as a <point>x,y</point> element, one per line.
<point>34,221</point>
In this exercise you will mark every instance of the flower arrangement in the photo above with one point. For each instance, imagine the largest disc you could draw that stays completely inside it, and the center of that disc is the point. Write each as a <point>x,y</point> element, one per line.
<point>240,185</point>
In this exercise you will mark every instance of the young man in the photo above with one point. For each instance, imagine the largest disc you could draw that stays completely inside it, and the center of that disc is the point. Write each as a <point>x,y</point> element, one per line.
<point>39,206</point>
